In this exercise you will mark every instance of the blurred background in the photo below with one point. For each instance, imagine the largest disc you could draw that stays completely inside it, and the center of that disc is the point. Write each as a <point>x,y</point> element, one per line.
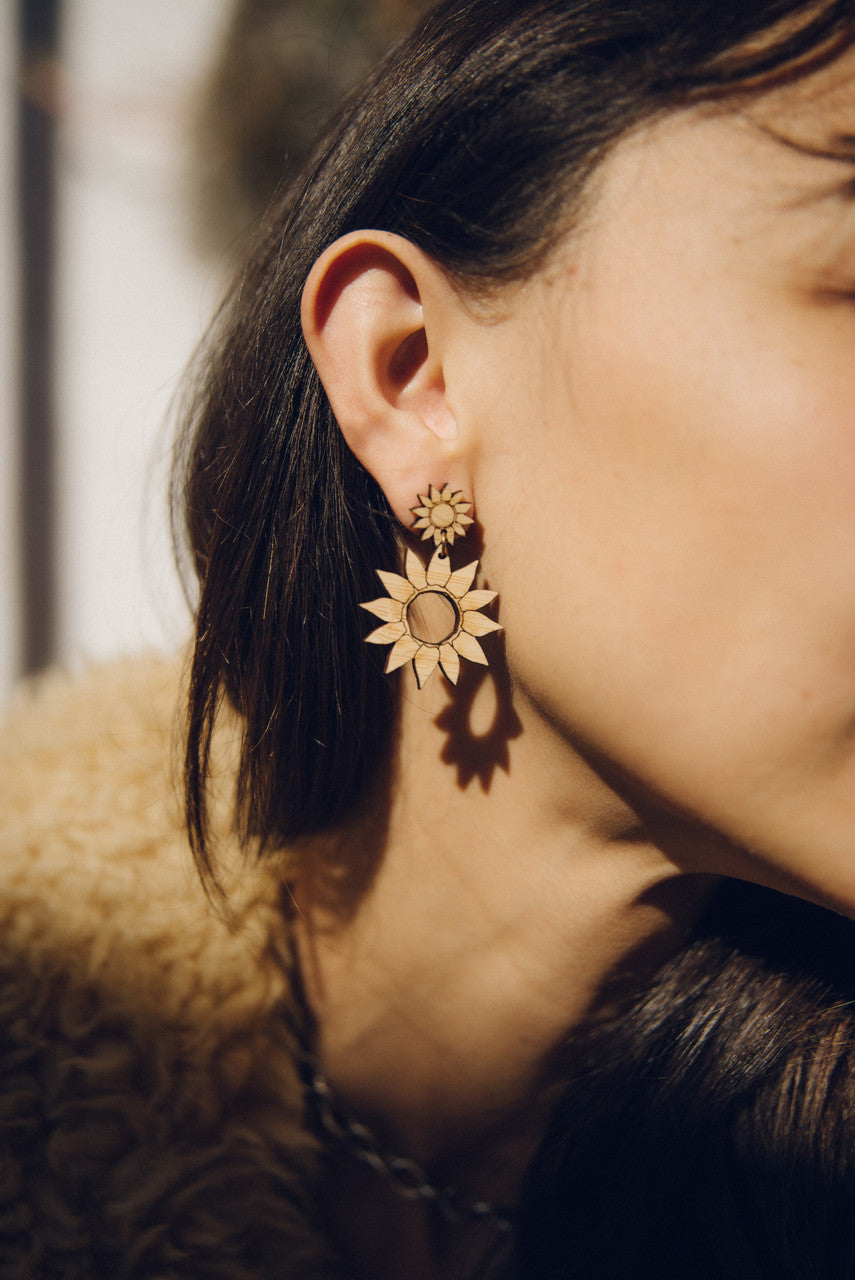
<point>138,146</point>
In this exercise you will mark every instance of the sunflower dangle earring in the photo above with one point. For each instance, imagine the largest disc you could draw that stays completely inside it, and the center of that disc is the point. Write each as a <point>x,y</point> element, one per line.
<point>433,600</point>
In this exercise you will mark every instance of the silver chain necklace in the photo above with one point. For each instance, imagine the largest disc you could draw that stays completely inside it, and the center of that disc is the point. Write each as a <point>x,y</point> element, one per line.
<point>334,1120</point>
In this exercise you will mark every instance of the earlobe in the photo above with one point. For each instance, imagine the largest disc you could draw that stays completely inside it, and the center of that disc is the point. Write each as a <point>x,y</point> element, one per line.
<point>374,317</point>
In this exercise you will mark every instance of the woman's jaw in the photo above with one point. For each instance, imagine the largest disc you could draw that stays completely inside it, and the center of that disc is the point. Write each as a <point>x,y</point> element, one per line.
<point>665,476</point>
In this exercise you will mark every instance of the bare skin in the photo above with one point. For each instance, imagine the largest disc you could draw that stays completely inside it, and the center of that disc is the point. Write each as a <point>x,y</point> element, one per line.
<point>442,1001</point>
<point>659,439</point>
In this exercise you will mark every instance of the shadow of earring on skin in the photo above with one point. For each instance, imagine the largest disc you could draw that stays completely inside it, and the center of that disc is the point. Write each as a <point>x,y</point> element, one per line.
<point>474,751</point>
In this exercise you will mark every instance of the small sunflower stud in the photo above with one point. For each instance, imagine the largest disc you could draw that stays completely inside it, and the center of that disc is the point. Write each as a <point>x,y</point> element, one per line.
<point>399,609</point>
<point>442,515</point>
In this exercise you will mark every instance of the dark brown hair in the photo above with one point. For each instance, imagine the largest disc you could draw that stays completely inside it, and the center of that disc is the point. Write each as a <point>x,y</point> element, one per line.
<point>473,139</point>
<point>708,1132</point>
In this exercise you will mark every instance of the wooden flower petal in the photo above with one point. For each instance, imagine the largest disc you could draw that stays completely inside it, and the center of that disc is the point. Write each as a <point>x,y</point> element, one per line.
<point>438,571</point>
<point>399,588</point>
<point>449,661</point>
<point>388,610</point>
<point>415,571</point>
<point>425,662</point>
<point>404,649</point>
<point>477,625</point>
<point>461,580</point>
<point>468,647</point>
<point>385,635</point>
<point>477,599</point>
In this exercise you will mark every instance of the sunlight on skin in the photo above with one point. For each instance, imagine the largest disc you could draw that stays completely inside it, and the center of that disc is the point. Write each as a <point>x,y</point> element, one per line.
<point>692,385</point>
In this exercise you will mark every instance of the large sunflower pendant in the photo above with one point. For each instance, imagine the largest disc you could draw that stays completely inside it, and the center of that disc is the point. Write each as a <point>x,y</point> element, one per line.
<point>447,594</point>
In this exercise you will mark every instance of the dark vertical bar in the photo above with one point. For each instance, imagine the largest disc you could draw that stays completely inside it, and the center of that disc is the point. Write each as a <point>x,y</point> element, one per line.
<point>38,26</point>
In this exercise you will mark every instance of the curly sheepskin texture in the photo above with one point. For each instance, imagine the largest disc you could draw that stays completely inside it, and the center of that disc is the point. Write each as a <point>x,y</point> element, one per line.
<point>149,1106</point>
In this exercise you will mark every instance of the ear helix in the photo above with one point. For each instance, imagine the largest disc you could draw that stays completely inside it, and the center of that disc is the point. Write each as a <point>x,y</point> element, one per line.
<point>441,515</point>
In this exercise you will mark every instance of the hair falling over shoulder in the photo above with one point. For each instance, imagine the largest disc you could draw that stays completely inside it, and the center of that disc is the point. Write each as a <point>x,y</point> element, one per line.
<point>709,1131</point>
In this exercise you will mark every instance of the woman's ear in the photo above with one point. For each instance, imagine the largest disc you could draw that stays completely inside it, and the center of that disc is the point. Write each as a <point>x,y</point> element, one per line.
<point>376,315</point>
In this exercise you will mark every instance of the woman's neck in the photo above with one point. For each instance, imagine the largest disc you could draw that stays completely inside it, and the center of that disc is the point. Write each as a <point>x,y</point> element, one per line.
<point>498,917</point>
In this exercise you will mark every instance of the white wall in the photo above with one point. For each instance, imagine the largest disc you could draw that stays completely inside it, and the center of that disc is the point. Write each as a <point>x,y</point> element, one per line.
<point>9,656</point>
<point>132,302</point>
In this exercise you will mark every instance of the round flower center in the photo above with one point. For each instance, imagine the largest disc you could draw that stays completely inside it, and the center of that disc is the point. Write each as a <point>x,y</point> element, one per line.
<point>432,617</point>
<point>442,515</point>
